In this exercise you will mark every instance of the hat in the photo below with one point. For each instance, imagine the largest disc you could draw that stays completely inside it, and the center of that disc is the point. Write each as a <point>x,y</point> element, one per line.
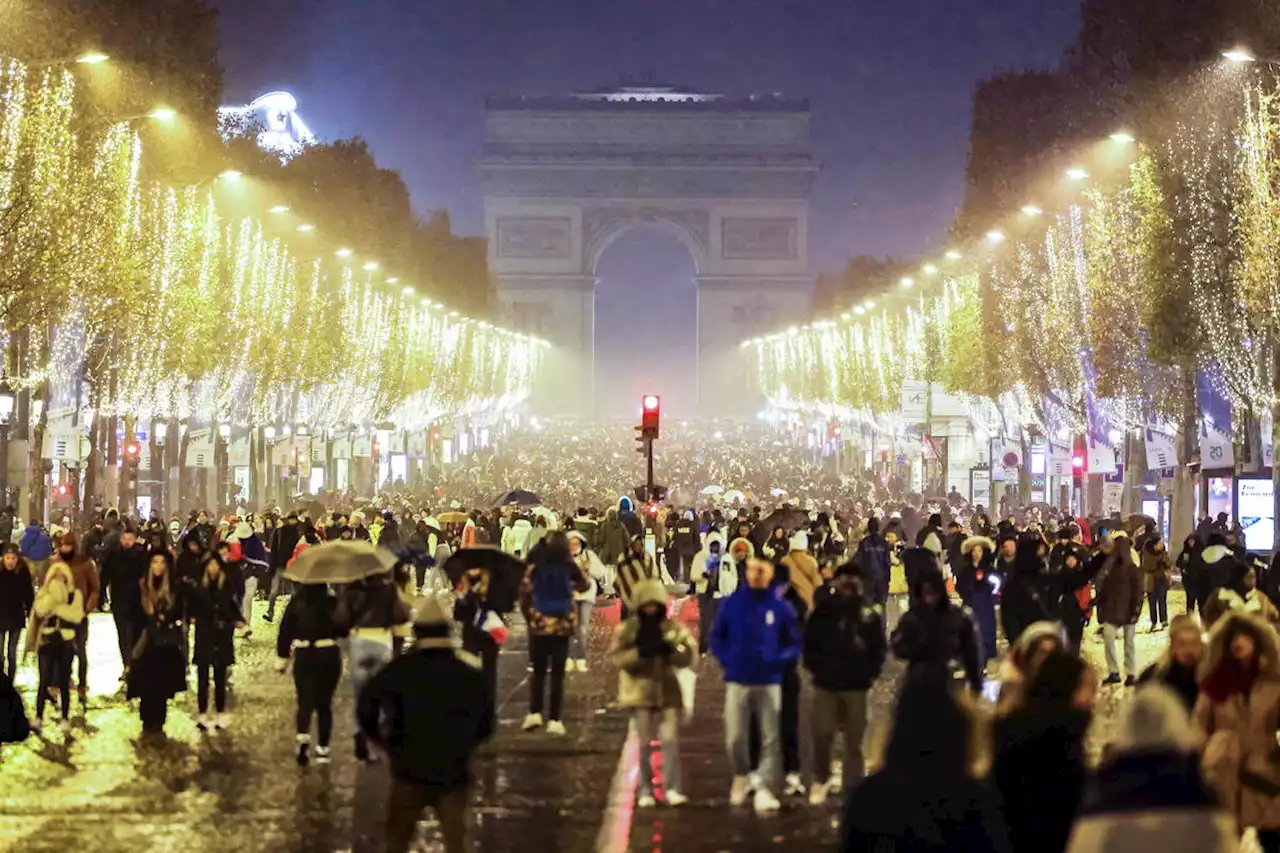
<point>1155,720</point>
<point>648,591</point>
<point>432,626</point>
<point>800,541</point>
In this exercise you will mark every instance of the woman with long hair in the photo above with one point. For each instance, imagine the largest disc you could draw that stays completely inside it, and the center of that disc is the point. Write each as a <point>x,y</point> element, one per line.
<point>55,617</point>
<point>17,596</point>
<point>158,669</point>
<point>216,612</point>
<point>585,601</point>
<point>1237,715</point>
<point>309,633</point>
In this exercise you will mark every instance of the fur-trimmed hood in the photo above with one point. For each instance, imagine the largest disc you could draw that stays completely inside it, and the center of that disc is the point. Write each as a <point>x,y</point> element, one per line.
<point>971,542</point>
<point>1268,648</point>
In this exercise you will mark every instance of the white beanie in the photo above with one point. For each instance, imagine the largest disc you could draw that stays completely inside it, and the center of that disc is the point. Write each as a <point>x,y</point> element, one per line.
<point>799,541</point>
<point>1155,719</point>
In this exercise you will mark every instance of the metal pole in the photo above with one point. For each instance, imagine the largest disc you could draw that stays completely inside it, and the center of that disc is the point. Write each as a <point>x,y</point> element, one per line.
<point>648,480</point>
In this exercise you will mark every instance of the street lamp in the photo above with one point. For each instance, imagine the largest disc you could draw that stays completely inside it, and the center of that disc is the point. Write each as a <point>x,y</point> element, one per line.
<point>1075,173</point>
<point>1239,55</point>
<point>163,114</point>
<point>1032,210</point>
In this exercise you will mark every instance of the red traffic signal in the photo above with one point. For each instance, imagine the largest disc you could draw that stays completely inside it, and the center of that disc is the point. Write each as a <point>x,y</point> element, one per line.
<point>1077,463</point>
<point>650,414</point>
<point>132,452</point>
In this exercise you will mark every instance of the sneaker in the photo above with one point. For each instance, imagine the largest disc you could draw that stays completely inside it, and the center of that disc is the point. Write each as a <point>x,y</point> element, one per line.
<point>645,801</point>
<point>531,722</point>
<point>223,721</point>
<point>1130,681</point>
<point>65,727</point>
<point>1113,678</point>
<point>675,799</point>
<point>304,748</point>
<point>202,722</point>
<point>818,794</point>
<point>766,802</point>
<point>794,785</point>
<point>738,793</point>
<point>555,727</point>
<point>322,755</point>
<point>582,665</point>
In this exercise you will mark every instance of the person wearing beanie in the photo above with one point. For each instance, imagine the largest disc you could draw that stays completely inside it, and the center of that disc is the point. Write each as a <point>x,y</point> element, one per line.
<point>650,650</point>
<point>802,568</point>
<point>872,559</point>
<point>1148,792</point>
<point>1176,668</point>
<point>55,618</point>
<point>428,710</point>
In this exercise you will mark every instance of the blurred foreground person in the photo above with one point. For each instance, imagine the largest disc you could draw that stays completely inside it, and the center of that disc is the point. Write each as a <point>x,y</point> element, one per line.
<point>1039,765</point>
<point>428,710</point>
<point>1237,715</point>
<point>925,799</point>
<point>650,650</point>
<point>1148,793</point>
<point>1178,666</point>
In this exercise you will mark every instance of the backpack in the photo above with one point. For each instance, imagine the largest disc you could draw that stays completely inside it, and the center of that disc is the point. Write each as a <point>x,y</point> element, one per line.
<point>553,589</point>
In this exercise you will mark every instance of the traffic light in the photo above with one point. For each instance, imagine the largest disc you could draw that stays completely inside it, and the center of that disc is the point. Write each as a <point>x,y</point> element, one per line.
<point>1078,457</point>
<point>132,454</point>
<point>61,493</point>
<point>650,413</point>
<point>642,442</point>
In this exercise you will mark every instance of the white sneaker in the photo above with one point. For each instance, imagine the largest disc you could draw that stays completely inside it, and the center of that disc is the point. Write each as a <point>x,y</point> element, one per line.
<point>555,727</point>
<point>65,727</point>
<point>202,722</point>
<point>322,755</point>
<point>531,722</point>
<point>818,794</point>
<point>582,665</point>
<point>738,793</point>
<point>753,781</point>
<point>223,721</point>
<point>645,801</point>
<point>675,798</point>
<point>794,785</point>
<point>766,802</point>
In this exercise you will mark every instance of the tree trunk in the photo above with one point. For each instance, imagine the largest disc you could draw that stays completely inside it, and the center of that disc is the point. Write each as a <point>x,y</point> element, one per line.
<point>1182,524</point>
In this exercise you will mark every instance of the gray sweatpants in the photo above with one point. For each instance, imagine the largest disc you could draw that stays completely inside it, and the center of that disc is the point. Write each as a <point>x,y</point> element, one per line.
<point>654,724</point>
<point>831,711</point>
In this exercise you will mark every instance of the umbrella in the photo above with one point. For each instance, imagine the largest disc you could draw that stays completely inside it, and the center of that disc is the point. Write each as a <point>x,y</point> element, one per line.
<point>1133,522</point>
<point>452,518</point>
<point>734,495</point>
<point>520,497</point>
<point>712,490</point>
<point>506,573</point>
<point>789,518</point>
<point>343,561</point>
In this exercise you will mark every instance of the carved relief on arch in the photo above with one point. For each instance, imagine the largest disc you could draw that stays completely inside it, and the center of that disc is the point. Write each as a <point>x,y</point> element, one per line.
<point>602,224</point>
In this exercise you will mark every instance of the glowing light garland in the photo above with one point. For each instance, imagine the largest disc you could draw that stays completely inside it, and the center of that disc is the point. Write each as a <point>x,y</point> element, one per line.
<point>186,313</point>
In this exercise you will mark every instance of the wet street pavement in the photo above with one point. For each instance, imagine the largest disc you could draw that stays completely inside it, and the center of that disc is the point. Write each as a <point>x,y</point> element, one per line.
<point>103,789</point>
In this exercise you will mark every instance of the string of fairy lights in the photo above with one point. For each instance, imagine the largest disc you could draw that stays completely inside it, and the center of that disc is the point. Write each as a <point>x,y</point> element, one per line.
<point>1082,319</point>
<point>140,299</point>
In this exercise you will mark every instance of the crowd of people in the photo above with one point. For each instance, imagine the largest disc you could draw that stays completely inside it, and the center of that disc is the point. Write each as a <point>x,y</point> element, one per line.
<point>812,587</point>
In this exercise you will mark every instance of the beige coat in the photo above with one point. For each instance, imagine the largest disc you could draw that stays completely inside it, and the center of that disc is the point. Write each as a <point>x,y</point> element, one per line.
<point>1241,736</point>
<point>651,682</point>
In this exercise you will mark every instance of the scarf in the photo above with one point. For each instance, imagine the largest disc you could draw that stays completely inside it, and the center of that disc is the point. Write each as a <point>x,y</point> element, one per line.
<point>1229,678</point>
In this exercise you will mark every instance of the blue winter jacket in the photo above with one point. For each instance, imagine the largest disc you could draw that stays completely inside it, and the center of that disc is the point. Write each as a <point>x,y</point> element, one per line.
<point>756,634</point>
<point>35,544</point>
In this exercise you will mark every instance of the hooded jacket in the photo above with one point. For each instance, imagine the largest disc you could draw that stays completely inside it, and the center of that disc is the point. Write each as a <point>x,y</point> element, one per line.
<point>1028,591</point>
<point>650,681</point>
<point>938,637</point>
<point>515,539</point>
<point>725,576</point>
<point>17,596</point>
<point>35,543</point>
<point>844,645</point>
<point>1120,596</point>
<point>756,635</point>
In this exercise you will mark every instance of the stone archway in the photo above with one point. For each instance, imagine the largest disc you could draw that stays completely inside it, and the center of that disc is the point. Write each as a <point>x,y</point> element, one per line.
<point>564,177</point>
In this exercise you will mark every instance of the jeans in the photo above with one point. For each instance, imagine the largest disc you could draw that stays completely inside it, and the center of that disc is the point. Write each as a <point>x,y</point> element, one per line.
<point>127,635</point>
<point>656,724</point>
<point>405,806</point>
<point>278,585</point>
<point>1158,602</point>
<point>708,607</point>
<point>9,639</point>
<point>831,711</point>
<point>741,702</point>
<point>578,644</point>
<point>250,593</point>
<point>790,720</point>
<point>365,655</point>
<point>82,654</point>
<point>219,687</point>
<point>315,678</point>
<point>1130,652</point>
<point>548,651</point>
<point>55,671</point>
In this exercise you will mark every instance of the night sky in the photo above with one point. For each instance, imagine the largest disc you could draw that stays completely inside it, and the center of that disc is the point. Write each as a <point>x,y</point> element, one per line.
<point>889,83</point>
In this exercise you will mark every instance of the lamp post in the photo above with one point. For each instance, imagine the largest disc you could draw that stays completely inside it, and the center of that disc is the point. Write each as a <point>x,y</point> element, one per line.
<point>7,398</point>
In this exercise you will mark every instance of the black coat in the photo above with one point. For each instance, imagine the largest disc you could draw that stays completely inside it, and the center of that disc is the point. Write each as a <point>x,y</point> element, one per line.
<point>898,812</point>
<point>283,542</point>
<point>309,617</point>
<point>159,666</point>
<point>437,711</point>
<point>216,610</point>
<point>17,595</point>
<point>1040,804</point>
<point>941,637</point>
<point>122,572</point>
<point>844,645</point>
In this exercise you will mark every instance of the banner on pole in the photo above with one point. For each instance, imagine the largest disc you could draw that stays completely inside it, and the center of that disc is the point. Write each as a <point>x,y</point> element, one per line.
<point>1059,462</point>
<point>1101,458</point>
<point>1216,449</point>
<point>1161,452</point>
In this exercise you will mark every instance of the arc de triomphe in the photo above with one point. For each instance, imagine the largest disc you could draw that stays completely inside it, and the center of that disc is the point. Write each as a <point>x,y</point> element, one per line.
<point>564,177</point>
